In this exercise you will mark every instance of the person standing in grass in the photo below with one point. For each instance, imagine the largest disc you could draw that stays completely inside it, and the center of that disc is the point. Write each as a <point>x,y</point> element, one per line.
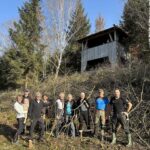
<point>83,113</point>
<point>69,113</point>
<point>101,104</point>
<point>121,107</point>
<point>25,109</point>
<point>59,114</point>
<point>46,111</point>
<point>35,114</point>
<point>18,106</point>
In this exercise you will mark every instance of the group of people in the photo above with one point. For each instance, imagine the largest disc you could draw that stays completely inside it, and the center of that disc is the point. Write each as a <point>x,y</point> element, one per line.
<point>32,109</point>
<point>68,110</point>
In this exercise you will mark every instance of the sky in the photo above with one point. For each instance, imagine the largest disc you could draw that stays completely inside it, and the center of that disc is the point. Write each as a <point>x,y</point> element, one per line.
<point>9,10</point>
<point>111,10</point>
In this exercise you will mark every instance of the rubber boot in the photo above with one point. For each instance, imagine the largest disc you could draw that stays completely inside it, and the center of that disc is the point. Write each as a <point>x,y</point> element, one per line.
<point>114,139</point>
<point>102,135</point>
<point>129,140</point>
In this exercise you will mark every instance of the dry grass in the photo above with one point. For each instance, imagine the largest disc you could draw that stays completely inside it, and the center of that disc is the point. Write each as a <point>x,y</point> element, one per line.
<point>105,78</point>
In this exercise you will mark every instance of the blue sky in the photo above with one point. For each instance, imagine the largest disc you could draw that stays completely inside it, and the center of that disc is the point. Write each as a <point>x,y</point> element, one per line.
<point>9,9</point>
<point>111,10</point>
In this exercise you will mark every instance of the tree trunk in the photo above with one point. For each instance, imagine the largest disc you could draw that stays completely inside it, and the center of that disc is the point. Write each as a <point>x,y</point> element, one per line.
<point>58,66</point>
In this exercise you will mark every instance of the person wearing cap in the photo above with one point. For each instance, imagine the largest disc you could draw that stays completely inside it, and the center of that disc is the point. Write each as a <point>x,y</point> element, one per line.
<point>35,114</point>
<point>101,103</point>
<point>20,117</point>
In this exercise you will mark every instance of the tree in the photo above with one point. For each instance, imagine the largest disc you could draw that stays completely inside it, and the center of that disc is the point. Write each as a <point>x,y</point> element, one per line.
<point>24,57</point>
<point>99,24</point>
<point>58,18</point>
<point>135,22</point>
<point>72,54</point>
<point>4,37</point>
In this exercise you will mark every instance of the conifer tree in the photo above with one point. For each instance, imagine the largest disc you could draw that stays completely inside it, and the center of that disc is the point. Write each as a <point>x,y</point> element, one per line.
<point>24,57</point>
<point>72,55</point>
<point>135,22</point>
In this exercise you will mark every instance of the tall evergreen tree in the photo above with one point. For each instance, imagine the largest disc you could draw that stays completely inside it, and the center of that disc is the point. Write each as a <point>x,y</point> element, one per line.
<point>79,27</point>
<point>135,22</point>
<point>24,56</point>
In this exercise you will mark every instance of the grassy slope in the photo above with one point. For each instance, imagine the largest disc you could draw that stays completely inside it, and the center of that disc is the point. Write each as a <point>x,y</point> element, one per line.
<point>106,79</point>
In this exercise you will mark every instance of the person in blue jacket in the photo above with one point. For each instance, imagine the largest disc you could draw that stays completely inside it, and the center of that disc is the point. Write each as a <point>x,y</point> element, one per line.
<point>101,104</point>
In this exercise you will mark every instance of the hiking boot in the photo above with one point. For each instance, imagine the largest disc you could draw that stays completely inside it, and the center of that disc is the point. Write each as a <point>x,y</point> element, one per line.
<point>129,140</point>
<point>114,139</point>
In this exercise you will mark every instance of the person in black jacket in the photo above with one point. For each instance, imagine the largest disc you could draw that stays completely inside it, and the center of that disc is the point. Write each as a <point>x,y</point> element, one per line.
<point>46,110</point>
<point>83,107</point>
<point>120,107</point>
<point>27,95</point>
<point>35,114</point>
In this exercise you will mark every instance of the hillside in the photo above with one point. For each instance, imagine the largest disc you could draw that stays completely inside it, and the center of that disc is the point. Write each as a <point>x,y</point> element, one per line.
<point>129,81</point>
